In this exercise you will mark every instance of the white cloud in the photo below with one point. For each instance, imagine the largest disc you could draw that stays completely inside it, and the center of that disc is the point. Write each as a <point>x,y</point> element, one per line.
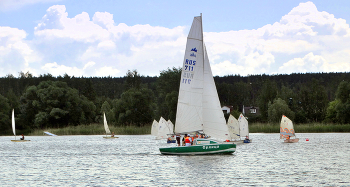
<point>7,5</point>
<point>56,70</point>
<point>304,40</point>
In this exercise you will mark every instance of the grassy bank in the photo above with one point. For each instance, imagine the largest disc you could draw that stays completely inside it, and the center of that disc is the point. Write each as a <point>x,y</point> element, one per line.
<point>98,129</point>
<point>299,128</point>
<point>95,129</point>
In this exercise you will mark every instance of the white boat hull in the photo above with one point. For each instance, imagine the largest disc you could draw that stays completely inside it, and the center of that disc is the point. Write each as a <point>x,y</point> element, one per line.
<point>108,137</point>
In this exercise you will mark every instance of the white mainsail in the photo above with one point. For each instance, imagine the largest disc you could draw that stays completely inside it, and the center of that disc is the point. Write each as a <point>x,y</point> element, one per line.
<point>13,123</point>
<point>233,128</point>
<point>286,128</point>
<point>105,124</point>
<point>243,126</point>
<point>198,103</point>
<point>154,129</point>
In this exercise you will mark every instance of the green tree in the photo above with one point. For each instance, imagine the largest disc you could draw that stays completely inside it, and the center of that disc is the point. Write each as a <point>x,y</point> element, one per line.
<point>313,101</point>
<point>135,107</point>
<point>5,113</point>
<point>54,104</point>
<point>278,108</point>
<point>168,85</point>
<point>267,94</point>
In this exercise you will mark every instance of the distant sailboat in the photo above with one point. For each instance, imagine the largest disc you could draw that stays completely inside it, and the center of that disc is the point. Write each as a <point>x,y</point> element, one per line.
<point>106,128</point>
<point>154,129</point>
<point>234,130</point>
<point>244,129</point>
<point>287,130</point>
<point>163,129</point>
<point>14,128</point>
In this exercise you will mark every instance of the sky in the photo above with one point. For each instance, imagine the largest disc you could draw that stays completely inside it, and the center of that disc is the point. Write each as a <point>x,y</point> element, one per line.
<point>109,37</point>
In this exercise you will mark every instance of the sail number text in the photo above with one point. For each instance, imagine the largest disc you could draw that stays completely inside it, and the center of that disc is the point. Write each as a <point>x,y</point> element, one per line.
<point>188,67</point>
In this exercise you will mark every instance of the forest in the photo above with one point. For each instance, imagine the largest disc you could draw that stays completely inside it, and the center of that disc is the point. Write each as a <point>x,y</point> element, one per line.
<point>135,100</point>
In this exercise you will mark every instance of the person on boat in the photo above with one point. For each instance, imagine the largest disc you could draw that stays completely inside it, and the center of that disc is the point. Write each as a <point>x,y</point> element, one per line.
<point>188,140</point>
<point>288,137</point>
<point>112,134</point>
<point>22,137</point>
<point>178,139</point>
<point>246,137</point>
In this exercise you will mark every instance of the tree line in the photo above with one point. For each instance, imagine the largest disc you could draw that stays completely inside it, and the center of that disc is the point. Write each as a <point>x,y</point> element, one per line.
<point>53,102</point>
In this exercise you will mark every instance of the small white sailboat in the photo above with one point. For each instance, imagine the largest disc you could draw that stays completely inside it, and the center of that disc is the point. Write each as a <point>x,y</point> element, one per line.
<point>171,136</point>
<point>234,130</point>
<point>287,130</point>
<point>14,129</point>
<point>107,129</point>
<point>163,129</point>
<point>154,129</point>
<point>244,129</point>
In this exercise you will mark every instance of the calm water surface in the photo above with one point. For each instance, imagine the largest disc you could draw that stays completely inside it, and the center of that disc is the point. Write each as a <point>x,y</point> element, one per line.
<point>136,161</point>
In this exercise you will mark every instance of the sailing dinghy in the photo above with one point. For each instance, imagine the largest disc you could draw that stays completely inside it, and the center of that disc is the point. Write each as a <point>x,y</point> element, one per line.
<point>14,128</point>
<point>198,107</point>
<point>287,130</point>
<point>244,129</point>
<point>107,129</point>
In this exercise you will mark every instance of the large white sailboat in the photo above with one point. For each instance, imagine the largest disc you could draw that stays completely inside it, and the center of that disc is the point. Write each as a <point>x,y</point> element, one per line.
<point>14,129</point>
<point>198,107</point>
<point>287,130</point>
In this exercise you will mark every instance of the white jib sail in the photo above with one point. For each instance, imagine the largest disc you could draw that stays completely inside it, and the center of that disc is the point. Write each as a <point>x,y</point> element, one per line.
<point>105,124</point>
<point>189,108</point>
<point>154,129</point>
<point>13,122</point>
<point>286,128</point>
<point>233,128</point>
<point>243,126</point>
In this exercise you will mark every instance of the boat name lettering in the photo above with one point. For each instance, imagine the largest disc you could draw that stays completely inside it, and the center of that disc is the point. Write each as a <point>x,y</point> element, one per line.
<point>190,62</point>
<point>211,147</point>
<point>192,54</point>
<point>194,49</point>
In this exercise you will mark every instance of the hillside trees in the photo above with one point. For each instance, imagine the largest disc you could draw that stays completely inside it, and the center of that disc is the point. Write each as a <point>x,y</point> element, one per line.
<point>54,104</point>
<point>338,110</point>
<point>5,111</point>
<point>168,85</point>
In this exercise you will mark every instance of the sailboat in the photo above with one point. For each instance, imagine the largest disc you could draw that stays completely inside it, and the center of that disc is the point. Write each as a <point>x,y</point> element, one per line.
<point>163,129</point>
<point>244,129</point>
<point>287,130</point>
<point>234,130</point>
<point>154,129</point>
<point>106,128</point>
<point>198,107</point>
<point>171,136</point>
<point>14,128</point>
<point>238,129</point>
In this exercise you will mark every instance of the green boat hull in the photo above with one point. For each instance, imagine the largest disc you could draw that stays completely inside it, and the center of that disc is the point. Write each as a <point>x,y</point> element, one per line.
<point>200,149</point>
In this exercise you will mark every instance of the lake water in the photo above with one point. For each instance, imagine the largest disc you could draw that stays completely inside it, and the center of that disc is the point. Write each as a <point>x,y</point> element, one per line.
<point>136,161</point>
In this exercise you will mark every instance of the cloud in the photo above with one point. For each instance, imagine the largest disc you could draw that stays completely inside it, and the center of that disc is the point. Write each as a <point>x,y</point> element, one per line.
<point>8,5</point>
<point>303,40</point>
